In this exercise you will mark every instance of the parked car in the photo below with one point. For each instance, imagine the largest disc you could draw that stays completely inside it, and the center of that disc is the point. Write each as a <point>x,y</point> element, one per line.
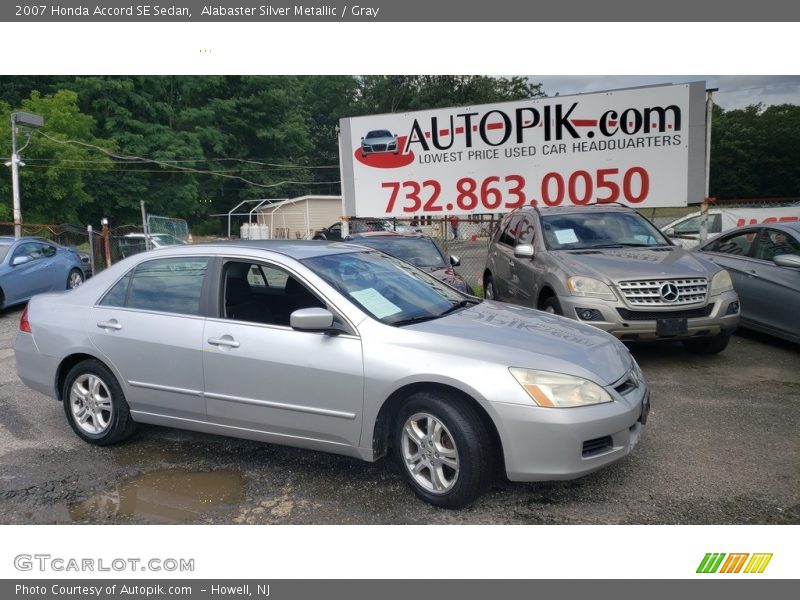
<point>764,263</point>
<point>339,348</point>
<point>417,249</point>
<point>333,233</point>
<point>379,141</point>
<point>157,240</point>
<point>612,268</point>
<point>30,266</point>
<point>685,231</point>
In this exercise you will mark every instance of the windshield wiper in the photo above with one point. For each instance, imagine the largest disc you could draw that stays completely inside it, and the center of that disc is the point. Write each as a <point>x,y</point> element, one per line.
<point>458,305</point>
<point>412,320</point>
<point>623,245</point>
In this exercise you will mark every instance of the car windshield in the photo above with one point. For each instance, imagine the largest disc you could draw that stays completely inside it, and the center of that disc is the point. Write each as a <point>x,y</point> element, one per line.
<point>4,248</point>
<point>599,230</point>
<point>420,252</point>
<point>379,134</point>
<point>386,288</point>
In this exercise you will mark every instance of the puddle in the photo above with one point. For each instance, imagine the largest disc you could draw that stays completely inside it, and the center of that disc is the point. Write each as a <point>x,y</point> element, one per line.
<point>166,496</point>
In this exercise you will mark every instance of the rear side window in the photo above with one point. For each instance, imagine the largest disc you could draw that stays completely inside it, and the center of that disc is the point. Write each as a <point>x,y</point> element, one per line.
<point>737,244</point>
<point>171,285</point>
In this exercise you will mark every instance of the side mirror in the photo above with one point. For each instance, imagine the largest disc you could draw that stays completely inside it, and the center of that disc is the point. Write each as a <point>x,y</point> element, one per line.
<point>312,319</point>
<point>523,251</point>
<point>670,232</point>
<point>791,261</point>
<point>20,260</point>
<point>455,260</point>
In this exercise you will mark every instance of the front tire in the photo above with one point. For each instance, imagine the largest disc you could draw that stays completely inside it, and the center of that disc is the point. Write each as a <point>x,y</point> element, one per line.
<point>74,279</point>
<point>552,305</point>
<point>709,345</point>
<point>444,451</point>
<point>95,405</point>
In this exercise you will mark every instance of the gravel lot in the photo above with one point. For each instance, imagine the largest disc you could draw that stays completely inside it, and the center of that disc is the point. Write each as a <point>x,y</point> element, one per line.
<point>721,447</point>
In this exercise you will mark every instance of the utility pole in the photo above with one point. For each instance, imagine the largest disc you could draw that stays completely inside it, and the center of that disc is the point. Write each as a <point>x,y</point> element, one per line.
<point>706,199</point>
<point>29,120</point>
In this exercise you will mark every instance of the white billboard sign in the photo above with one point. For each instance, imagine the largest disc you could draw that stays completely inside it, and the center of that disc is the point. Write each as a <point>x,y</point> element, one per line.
<point>643,147</point>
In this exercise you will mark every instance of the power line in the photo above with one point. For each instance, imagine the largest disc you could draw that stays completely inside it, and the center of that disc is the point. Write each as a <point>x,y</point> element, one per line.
<point>159,162</point>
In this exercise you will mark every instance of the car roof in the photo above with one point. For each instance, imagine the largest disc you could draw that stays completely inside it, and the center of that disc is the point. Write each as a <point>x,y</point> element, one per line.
<point>552,210</point>
<point>389,235</point>
<point>299,249</point>
<point>790,227</point>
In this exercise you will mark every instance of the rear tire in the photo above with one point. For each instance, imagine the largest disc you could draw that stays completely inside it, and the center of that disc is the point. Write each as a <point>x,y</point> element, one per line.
<point>489,291</point>
<point>95,405</point>
<point>709,345</point>
<point>74,279</point>
<point>445,453</point>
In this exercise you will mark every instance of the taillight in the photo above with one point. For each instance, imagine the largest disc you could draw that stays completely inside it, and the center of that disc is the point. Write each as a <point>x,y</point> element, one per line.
<point>24,324</point>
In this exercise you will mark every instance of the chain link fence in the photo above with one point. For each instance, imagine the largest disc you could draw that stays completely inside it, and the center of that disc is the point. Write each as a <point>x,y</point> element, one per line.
<point>70,236</point>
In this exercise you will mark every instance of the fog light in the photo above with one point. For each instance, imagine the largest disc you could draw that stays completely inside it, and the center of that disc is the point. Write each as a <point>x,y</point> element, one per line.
<point>733,308</point>
<point>589,314</point>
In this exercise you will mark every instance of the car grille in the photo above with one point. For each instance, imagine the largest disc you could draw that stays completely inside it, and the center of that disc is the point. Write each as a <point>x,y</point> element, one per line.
<point>379,147</point>
<point>652,292</point>
<point>597,446</point>
<point>652,315</point>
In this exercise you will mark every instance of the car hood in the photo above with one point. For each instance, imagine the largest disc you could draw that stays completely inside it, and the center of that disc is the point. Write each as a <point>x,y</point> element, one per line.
<point>523,337</point>
<point>619,264</point>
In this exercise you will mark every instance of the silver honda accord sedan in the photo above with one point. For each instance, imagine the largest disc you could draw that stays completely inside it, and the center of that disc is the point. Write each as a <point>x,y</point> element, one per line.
<point>334,347</point>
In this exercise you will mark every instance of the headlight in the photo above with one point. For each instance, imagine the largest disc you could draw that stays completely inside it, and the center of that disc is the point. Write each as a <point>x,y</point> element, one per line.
<point>721,282</point>
<point>590,288</point>
<point>556,390</point>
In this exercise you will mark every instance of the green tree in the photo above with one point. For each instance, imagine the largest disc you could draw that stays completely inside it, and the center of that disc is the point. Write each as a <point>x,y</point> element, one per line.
<point>57,159</point>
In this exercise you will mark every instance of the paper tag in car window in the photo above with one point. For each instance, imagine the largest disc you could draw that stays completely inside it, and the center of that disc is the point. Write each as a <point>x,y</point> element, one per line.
<point>566,236</point>
<point>375,302</point>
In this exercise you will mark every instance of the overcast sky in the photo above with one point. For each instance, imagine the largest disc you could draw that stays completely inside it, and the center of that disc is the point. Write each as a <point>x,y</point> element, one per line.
<point>735,91</point>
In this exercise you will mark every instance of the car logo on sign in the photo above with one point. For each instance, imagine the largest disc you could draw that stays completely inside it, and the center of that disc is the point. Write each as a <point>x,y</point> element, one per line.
<point>669,292</point>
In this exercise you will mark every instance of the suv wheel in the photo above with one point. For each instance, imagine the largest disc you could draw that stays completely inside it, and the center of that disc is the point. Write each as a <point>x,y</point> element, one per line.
<point>444,450</point>
<point>552,306</point>
<point>488,288</point>
<point>709,345</point>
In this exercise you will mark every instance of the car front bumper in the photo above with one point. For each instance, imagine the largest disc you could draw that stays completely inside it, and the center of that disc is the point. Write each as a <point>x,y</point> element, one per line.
<point>639,329</point>
<point>545,444</point>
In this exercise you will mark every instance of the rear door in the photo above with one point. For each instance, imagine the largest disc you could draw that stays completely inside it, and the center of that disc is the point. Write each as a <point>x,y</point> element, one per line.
<point>262,375</point>
<point>150,327</point>
<point>733,251</point>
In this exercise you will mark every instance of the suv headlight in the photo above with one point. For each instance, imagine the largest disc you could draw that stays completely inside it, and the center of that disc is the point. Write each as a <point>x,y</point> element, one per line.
<point>721,282</point>
<point>556,390</point>
<point>590,288</point>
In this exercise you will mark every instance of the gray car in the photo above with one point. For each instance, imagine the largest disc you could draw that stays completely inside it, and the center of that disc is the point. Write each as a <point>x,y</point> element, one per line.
<point>610,267</point>
<point>334,347</point>
<point>764,262</point>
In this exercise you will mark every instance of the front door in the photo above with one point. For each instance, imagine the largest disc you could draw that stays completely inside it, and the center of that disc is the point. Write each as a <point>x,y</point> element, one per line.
<point>262,375</point>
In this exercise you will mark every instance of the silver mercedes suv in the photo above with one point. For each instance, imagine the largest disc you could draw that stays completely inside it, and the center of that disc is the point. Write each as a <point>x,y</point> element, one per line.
<point>610,267</point>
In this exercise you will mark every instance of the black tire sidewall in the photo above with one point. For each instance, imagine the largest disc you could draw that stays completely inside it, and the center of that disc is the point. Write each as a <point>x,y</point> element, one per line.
<point>488,284</point>
<point>120,426</point>
<point>553,301</point>
<point>471,440</point>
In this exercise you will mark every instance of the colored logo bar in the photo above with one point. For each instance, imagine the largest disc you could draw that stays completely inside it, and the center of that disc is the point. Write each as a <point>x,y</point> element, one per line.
<point>734,563</point>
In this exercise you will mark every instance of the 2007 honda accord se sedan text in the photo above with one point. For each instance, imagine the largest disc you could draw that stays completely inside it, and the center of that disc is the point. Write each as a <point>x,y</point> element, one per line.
<point>334,347</point>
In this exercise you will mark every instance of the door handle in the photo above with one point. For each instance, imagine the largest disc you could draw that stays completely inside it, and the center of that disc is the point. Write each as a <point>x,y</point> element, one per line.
<point>112,324</point>
<point>751,273</point>
<point>225,340</point>
<point>511,264</point>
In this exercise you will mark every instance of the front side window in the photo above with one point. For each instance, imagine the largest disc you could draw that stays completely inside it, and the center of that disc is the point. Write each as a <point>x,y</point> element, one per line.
<point>171,285</point>
<point>773,242</point>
